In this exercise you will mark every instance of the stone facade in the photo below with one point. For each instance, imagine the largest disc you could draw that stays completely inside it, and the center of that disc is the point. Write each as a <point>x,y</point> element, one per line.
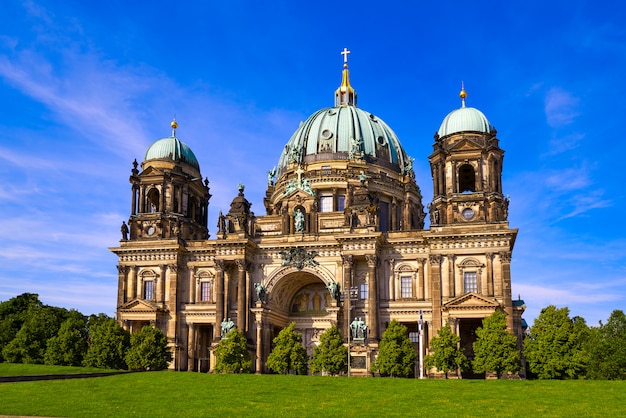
<point>343,216</point>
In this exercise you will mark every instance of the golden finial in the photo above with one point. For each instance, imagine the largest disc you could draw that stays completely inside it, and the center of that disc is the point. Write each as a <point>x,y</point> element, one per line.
<point>463,94</point>
<point>174,125</point>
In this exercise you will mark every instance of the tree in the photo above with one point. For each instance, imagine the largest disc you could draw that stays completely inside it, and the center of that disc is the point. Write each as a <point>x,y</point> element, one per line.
<point>396,355</point>
<point>108,343</point>
<point>330,356</point>
<point>29,344</point>
<point>555,345</point>
<point>13,313</point>
<point>148,350</point>
<point>447,355</point>
<point>495,349</point>
<point>288,353</point>
<point>607,349</point>
<point>69,346</point>
<point>231,354</point>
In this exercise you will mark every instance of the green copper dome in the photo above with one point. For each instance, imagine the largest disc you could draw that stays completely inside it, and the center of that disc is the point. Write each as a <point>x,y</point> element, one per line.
<point>171,148</point>
<point>465,119</point>
<point>341,132</point>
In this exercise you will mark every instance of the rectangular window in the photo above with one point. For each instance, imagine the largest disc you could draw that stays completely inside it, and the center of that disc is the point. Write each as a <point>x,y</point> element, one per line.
<point>363,291</point>
<point>326,203</point>
<point>205,291</point>
<point>406,287</point>
<point>414,337</point>
<point>469,281</point>
<point>341,203</point>
<point>325,170</point>
<point>148,290</point>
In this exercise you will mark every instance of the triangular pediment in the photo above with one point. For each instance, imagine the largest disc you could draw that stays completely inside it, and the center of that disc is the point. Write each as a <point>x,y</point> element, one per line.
<point>139,305</point>
<point>471,300</point>
<point>151,171</point>
<point>465,144</point>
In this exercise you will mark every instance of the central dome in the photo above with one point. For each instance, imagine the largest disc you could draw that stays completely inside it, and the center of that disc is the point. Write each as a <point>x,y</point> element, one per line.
<point>342,132</point>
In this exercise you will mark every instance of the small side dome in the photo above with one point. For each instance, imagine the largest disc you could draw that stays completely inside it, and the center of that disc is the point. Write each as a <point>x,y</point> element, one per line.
<point>464,119</point>
<point>172,148</point>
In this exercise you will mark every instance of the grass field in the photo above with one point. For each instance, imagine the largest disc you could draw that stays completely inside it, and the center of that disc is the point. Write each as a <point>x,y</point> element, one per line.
<point>161,394</point>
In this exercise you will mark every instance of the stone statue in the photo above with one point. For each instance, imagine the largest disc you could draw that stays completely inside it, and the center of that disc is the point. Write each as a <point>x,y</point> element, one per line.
<point>221,223</point>
<point>306,187</point>
<point>226,326</point>
<point>270,177</point>
<point>358,328</point>
<point>333,288</point>
<point>291,186</point>
<point>298,219</point>
<point>124,230</point>
<point>260,292</point>
<point>355,147</point>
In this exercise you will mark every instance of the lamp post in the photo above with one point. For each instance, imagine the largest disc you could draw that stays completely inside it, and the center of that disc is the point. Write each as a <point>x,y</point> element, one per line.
<point>420,327</point>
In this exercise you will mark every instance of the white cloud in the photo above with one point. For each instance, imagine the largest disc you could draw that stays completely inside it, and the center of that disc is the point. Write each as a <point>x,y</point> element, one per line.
<point>561,107</point>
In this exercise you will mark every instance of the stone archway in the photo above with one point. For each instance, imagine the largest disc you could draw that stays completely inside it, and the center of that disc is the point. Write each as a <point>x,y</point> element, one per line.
<point>302,296</point>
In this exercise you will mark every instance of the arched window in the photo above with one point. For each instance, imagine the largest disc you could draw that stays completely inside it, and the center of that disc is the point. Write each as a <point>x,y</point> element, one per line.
<point>472,270</point>
<point>467,179</point>
<point>153,200</point>
<point>148,285</point>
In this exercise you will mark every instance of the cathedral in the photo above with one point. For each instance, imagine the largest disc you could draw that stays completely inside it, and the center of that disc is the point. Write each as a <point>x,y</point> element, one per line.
<point>342,241</point>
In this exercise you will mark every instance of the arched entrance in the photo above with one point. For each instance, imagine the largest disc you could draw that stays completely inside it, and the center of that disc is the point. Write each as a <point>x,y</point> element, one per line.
<point>302,297</point>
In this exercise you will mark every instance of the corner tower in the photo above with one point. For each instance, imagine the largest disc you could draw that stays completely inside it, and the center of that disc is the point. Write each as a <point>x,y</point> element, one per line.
<point>466,167</point>
<point>169,198</point>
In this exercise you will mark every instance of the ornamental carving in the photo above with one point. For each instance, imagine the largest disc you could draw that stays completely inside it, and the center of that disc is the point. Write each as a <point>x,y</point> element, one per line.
<point>299,257</point>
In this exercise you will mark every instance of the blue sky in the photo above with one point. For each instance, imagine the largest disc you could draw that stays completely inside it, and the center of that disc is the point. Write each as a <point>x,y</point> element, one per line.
<point>86,87</point>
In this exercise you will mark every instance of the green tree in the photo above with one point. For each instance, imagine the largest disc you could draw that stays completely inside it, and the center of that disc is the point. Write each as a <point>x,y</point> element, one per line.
<point>555,345</point>
<point>13,313</point>
<point>396,355</point>
<point>330,356</point>
<point>607,349</point>
<point>288,353</point>
<point>231,354</point>
<point>69,346</point>
<point>148,350</point>
<point>30,342</point>
<point>108,343</point>
<point>447,355</point>
<point>495,349</point>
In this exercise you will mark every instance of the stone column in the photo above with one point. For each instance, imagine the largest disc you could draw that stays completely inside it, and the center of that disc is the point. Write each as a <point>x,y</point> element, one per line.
<point>452,291</point>
<point>435,285</point>
<point>505,261</point>
<point>191,346</point>
<point>133,210</point>
<point>420,279</point>
<point>241,296</point>
<point>161,284</point>
<point>392,281</point>
<point>372,297</point>
<point>219,299</point>
<point>347,282</point>
<point>132,287</point>
<point>122,273</point>
<point>172,302</point>
<point>259,345</point>
<point>488,289</point>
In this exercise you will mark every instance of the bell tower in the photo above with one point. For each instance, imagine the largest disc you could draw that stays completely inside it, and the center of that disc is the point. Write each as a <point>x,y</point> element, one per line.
<point>466,167</point>
<point>169,198</point>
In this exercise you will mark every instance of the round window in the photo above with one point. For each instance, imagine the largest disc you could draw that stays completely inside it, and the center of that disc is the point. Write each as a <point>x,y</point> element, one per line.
<point>467,213</point>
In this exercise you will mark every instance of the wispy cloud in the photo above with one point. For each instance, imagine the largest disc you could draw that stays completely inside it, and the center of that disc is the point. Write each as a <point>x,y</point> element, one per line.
<point>561,107</point>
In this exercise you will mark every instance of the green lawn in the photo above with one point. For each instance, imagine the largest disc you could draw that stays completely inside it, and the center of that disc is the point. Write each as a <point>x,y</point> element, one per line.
<point>159,394</point>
